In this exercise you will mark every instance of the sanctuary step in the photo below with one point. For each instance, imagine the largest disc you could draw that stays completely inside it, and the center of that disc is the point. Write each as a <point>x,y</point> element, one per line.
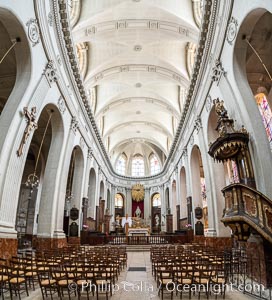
<point>138,248</point>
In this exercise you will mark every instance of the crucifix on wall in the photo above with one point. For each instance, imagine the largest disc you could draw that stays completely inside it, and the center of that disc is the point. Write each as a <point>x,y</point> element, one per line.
<point>31,125</point>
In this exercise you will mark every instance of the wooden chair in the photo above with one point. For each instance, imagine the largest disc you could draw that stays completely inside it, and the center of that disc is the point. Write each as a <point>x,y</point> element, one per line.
<point>17,281</point>
<point>3,278</point>
<point>64,283</point>
<point>201,278</point>
<point>102,281</point>
<point>84,276</point>
<point>184,280</point>
<point>47,284</point>
<point>166,280</point>
<point>31,272</point>
<point>219,280</point>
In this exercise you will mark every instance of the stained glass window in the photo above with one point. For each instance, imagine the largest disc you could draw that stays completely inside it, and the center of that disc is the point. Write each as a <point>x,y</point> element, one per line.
<point>121,165</point>
<point>156,200</point>
<point>154,165</point>
<point>266,114</point>
<point>137,169</point>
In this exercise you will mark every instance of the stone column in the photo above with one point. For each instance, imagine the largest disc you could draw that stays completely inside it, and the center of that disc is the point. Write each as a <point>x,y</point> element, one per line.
<point>128,207</point>
<point>12,129</point>
<point>147,204</point>
<point>163,209</point>
<point>169,223</point>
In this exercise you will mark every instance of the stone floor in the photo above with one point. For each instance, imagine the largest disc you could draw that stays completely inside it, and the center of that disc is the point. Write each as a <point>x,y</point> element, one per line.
<point>135,285</point>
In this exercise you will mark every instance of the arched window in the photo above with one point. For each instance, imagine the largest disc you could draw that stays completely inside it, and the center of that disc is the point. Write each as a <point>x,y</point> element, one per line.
<point>119,201</point>
<point>137,168</point>
<point>266,114</point>
<point>121,164</point>
<point>156,200</point>
<point>154,165</point>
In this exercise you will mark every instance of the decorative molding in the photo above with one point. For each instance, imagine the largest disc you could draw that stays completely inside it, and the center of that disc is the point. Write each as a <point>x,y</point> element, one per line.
<point>82,142</point>
<point>59,60</point>
<point>190,57</point>
<point>232,30</point>
<point>50,73</point>
<point>218,71</point>
<point>192,140</point>
<point>197,12</point>
<point>90,153</point>
<point>178,78</point>
<point>209,103</point>
<point>184,152</point>
<point>198,123</point>
<point>61,105</point>
<point>74,124</point>
<point>50,18</point>
<point>75,12</point>
<point>163,105</point>
<point>137,48</point>
<point>145,24</point>
<point>33,31</point>
<point>82,55</point>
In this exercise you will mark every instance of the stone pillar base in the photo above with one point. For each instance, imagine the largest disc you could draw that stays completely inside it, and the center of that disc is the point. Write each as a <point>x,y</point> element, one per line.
<point>169,223</point>
<point>259,253</point>
<point>50,243</point>
<point>74,240</point>
<point>8,248</point>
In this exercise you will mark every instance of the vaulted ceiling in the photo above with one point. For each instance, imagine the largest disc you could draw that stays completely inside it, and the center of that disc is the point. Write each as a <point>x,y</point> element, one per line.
<point>136,58</point>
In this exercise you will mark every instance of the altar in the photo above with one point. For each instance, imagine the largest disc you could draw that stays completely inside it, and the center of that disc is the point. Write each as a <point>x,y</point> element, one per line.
<point>138,231</point>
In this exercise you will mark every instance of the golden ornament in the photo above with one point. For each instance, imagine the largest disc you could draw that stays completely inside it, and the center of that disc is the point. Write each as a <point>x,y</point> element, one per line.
<point>138,192</point>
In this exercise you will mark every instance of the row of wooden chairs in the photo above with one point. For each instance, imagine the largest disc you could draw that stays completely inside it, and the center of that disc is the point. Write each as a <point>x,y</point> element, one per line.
<point>189,268</point>
<point>71,271</point>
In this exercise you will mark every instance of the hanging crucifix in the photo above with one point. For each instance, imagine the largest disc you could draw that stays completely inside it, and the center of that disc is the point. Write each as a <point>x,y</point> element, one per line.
<point>31,125</point>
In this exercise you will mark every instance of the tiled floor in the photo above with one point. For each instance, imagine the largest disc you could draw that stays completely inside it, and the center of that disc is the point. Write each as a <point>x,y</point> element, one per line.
<point>138,285</point>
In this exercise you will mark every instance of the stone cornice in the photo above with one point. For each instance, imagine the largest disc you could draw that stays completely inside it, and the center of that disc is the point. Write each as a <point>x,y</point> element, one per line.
<point>204,44</point>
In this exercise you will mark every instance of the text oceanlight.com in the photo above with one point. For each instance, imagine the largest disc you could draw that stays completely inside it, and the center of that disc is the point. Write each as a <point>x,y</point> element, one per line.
<point>142,286</point>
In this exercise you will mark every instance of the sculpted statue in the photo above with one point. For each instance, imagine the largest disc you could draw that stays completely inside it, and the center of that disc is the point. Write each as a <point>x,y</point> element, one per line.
<point>157,220</point>
<point>220,108</point>
<point>31,124</point>
<point>138,212</point>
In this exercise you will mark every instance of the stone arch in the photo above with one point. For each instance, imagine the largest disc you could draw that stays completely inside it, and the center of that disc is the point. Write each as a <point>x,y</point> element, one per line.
<point>92,192</point>
<point>198,183</point>
<point>48,212</point>
<point>167,199</point>
<point>74,186</point>
<point>17,63</point>
<point>156,216</point>
<point>174,205</point>
<point>183,193</point>
<point>247,69</point>
<point>108,203</point>
<point>102,190</point>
